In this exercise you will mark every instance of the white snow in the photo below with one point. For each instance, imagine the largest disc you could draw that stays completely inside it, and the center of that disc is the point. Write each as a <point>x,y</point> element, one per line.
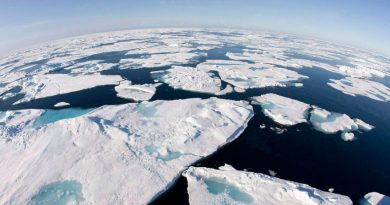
<point>119,154</point>
<point>229,186</point>
<point>61,104</point>
<point>283,110</point>
<point>136,92</point>
<point>375,198</point>
<point>364,87</point>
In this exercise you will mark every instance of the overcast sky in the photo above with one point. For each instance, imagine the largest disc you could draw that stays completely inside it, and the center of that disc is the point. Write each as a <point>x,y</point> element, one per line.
<point>364,24</point>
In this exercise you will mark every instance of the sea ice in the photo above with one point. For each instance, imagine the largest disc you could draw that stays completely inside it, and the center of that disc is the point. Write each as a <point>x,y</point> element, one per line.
<point>364,87</point>
<point>375,198</point>
<point>287,111</point>
<point>245,75</point>
<point>229,186</point>
<point>61,104</point>
<point>283,110</point>
<point>40,86</point>
<point>331,122</point>
<point>117,153</point>
<point>136,92</point>
<point>192,79</point>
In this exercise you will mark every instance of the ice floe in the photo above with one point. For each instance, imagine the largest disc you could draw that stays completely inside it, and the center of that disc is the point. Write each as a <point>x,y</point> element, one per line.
<point>40,86</point>
<point>246,75</point>
<point>363,87</point>
<point>287,111</point>
<point>375,198</point>
<point>283,110</point>
<point>192,79</point>
<point>117,154</point>
<point>61,104</point>
<point>229,186</point>
<point>136,92</point>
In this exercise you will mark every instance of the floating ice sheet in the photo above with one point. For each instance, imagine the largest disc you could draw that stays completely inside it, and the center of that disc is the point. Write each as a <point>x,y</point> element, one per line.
<point>229,186</point>
<point>136,92</point>
<point>118,154</point>
<point>364,87</point>
<point>287,111</point>
<point>40,86</point>
<point>192,79</point>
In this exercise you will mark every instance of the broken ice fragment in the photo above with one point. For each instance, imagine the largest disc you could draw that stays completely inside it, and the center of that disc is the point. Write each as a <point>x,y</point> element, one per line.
<point>136,92</point>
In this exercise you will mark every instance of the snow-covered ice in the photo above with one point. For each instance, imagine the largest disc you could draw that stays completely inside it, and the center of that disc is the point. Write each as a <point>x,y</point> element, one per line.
<point>136,92</point>
<point>245,75</point>
<point>188,78</point>
<point>331,122</point>
<point>375,198</point>
<point>283,110</point>
<point>40,86</point>
<point>119,154</point>
<point>364,87</point>
<point>229,186</point>
<point>287,111</point>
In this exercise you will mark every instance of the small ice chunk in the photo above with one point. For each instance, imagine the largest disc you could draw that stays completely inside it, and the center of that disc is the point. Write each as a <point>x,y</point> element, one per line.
<point>283,110</point>
<point>331,189</point>
<point>271,172</point>
<point>230,186</point>
<point>375,198</point>
<point>347,136</point>
<point>61,104</point>
<point>262,126</point>
<point>136,92</point>
<point>278,130</point>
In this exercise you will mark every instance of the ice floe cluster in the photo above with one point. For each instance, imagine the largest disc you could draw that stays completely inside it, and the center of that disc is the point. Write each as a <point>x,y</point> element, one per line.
<point>287,111</point>
<point>251,60</point>
<point>229,186</point>
<point>135,151</point>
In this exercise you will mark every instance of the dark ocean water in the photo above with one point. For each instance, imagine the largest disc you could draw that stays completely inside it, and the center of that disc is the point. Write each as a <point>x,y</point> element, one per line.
<point>300,154</point>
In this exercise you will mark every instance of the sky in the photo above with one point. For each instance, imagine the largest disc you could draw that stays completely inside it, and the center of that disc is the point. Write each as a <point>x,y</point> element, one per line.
<point>359,23</point>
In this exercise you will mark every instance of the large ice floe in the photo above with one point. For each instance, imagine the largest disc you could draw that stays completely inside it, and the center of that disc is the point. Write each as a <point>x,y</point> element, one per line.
<point>287,111</point>
<point>375,198</point>
<point>364,87</point>
<point>136,92</point>
<point>229,186</point>
<point>122,154</point>
<point>240,76</point>
<point>40,86</point>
